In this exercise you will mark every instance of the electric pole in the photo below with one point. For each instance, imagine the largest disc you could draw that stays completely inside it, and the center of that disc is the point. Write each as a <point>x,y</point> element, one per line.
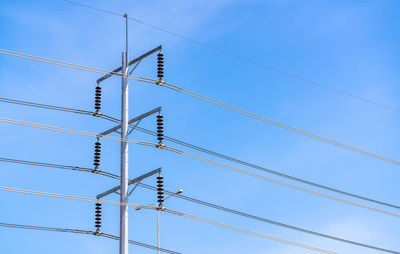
<point>125,130</point>
<point>123,242</point>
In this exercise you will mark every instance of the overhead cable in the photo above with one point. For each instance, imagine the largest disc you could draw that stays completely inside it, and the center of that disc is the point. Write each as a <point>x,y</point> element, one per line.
<point>223,105</point>
<point>50,165</point>
<point>66,64</point>
<point>86,232</point>
<point>182,143</point>
<point>54,195</point>
<point>245,59</point>
<point>216,207</point>
<point>219,224</point>
<point>280,224</point>
<point>46,127</point>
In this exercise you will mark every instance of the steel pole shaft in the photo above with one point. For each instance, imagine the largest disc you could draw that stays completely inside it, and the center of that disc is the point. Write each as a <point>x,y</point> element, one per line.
<point>123,248</point>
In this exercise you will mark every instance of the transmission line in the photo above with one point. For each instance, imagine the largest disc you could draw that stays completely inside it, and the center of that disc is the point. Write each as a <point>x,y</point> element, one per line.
<point>229,107</point>
<point>68,65</point>
<point>278,124</point>
<point>182,143</point>
<point>208,205</point>
<point>77,198</point>
<point>50,165</point>
<point>86,232</point>
<point>245,59</point>
<point>224,209</point>
<point>247,231</point>
<point>46,127</point>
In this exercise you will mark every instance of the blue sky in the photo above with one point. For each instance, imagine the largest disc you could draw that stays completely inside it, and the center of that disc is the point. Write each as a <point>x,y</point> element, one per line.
<point>348,45</point>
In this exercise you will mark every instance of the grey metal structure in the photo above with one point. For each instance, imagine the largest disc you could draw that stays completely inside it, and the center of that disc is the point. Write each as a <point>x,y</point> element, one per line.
<point>124,131</point>
<point>130,182</point>
<point>136,60</point>
<point>138,118</point>
<point>123,241</point>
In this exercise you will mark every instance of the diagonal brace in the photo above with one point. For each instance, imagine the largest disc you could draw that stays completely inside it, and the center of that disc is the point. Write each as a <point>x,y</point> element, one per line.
<point>137,179</point>
<point>138,118</point>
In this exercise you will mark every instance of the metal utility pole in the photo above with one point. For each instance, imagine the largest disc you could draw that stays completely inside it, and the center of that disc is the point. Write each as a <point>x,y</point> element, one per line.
<point>124,131</point>
<point>123,242</point>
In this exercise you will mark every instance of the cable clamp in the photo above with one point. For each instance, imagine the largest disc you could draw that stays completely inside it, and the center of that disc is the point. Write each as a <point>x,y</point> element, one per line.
<point>160,145</point>
<point>161,208</point>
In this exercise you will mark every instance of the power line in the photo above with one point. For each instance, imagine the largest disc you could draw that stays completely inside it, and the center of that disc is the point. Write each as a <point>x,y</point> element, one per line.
<point>66,64</point>
<point>86,232</point>
<point>77,198</point>
<point>69,197</point>
<point>278,124</point>
<point>247,231</point>
<point>182,143</point>
<point>208,205</point>
<point>50,165</point>
<point>278,182</point>
<point>179,142</point>
<point>140,244</point>
<point>64,130</point>
<point>46,127</point>
<point>224,209</point>
<point>245,59</point>
<point>235,109</point>
<point>39,105</point>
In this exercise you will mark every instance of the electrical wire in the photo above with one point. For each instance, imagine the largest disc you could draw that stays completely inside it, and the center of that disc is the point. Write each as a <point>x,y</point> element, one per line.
<point>193,156</point>
<point>182,143</point>
<point>68,65</point>
<point>50,165</point>
<point>140,244</point>
<point>77,198</point>
<point>220,104</point>
<point>39,105</point>
<point>278,124</point>
<point>250,216</point>
<point>173,194</point>
<point>245,59</point>
<point>198,202</point>
<point>86,232</point>
<point>46,127</point>
<point>88,134</point>
<point>246,231</point>
<point>69,197</point>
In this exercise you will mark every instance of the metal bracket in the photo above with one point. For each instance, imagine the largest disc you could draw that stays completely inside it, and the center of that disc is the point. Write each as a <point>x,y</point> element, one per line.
<point>138,118</point>
<point>137,179</point>
<point>116,71</point>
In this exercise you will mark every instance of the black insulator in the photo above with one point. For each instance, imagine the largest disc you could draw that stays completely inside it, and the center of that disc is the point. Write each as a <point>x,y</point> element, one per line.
<point>97,98</point>
<point>98,217</point>
<point>160,66</point>
<point>160,128</point>
<point>160,191</point>
<point>97,153</point>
